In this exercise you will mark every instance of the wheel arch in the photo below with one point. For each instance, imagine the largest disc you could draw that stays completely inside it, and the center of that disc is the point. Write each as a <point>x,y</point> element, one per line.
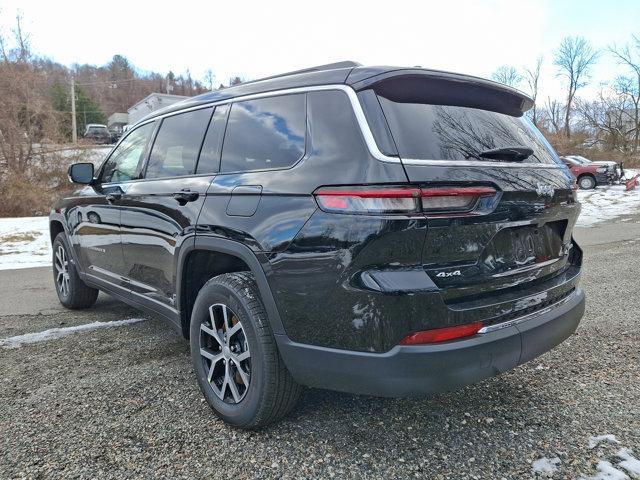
<point>55,228</point>
<point>229,256</point>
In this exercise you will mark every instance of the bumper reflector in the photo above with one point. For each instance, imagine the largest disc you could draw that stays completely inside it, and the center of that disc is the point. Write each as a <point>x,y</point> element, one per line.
<point>442,334</point>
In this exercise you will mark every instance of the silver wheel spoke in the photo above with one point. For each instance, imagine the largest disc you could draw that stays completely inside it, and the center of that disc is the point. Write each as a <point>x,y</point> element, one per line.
<point>214,357</point>
<point>212,331</point>
<point>235,329</point>
<point>232,386</point>
<point>227,325</point>
<point>243,356</point>
<point>243,375</point>
<point>230,346</point>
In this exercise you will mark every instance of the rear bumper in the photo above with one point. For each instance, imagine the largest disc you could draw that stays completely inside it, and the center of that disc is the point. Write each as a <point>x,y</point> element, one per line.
<point>413,370</point>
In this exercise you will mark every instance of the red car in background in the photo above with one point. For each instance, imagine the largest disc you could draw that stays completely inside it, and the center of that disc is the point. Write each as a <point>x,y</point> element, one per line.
<point>589,175</point>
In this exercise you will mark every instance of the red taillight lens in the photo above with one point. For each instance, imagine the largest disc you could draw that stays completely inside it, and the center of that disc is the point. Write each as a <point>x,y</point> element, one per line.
<point>401,199</point>
<point>369,200</point>
<point>442,334</point>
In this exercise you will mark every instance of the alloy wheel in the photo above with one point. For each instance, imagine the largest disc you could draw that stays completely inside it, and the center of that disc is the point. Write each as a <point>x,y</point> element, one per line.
<point>61,265</point>
<point>224,351</point>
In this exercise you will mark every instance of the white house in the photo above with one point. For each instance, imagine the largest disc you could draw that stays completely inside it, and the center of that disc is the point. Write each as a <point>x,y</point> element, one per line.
<point>150,103</point>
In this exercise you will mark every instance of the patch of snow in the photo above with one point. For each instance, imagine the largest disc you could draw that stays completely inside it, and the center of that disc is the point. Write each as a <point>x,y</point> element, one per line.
<point>606,471</point>
<point>24,242</point>
<point>53,333</point>
<point>544,466</point>
<point>597,440</point>
<point>630,463</point>
<point>605,203</point>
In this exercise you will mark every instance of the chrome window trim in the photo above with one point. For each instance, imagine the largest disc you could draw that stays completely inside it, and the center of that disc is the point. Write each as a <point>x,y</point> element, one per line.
<point>364,129</point>
<point>524,318</point>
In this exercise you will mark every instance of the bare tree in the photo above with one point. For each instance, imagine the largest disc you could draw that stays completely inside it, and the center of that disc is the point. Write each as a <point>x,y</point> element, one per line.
<point>629,56</point>
<point>3,47</point>
<point>574,58</point>
<point>532,77</point>
<point>553,115</point>
<point>508,75</point>
<point>209,78</point>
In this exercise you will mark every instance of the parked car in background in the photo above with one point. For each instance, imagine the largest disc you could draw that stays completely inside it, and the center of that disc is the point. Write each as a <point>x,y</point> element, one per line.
<point>588,175</point>
<point>615,171</point>
<point>340,227</point>
<point>97,133</point>
<point>114,135</point>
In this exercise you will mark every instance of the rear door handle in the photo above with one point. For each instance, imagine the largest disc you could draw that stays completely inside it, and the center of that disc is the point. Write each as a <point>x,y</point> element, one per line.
<point>113,196</point>
<point>185,196</point>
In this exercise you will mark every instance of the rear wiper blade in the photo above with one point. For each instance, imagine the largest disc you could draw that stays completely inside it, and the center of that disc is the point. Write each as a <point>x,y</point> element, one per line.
<point>508,154</point>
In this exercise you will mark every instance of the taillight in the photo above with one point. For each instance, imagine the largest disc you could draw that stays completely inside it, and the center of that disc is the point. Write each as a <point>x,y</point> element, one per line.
<point>402,200</point>
<point>369,200</point>
<point>453,199</point>
<point>442,334</point>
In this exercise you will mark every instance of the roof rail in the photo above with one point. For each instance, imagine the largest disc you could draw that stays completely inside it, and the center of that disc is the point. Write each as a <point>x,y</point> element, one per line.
<point>328,66</point>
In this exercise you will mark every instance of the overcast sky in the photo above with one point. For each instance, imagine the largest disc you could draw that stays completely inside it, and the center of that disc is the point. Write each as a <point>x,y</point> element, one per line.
<point>254,39</point>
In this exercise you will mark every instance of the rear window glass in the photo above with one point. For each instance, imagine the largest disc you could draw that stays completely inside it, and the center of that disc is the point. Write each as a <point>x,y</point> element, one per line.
<point>265,133</point>
<point>443,132</point>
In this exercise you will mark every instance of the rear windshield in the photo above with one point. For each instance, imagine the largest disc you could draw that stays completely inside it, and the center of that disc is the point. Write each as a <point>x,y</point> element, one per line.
<point>443,132</point>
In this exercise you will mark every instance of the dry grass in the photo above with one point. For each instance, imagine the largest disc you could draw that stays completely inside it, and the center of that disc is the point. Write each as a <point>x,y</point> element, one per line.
<point>19,237</point>
<point>33,192</point>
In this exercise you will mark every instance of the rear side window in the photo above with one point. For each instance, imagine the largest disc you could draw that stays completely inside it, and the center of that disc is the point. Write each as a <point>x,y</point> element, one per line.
<point>176,147</point>
<point>444,132</point>
<point>209,161</point>
<point>265,133</point>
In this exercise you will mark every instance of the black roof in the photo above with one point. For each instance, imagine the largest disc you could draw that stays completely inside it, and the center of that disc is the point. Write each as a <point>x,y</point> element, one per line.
<point>361,77</point>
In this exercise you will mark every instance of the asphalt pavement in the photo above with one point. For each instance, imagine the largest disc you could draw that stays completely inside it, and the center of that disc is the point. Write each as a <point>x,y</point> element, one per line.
<point>123,402</point>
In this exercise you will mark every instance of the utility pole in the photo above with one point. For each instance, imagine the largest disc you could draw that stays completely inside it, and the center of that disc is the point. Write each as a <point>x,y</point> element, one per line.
<point>74,133</point>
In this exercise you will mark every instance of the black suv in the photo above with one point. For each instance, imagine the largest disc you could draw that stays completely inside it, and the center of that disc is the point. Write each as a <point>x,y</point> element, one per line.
<point>376,230</point>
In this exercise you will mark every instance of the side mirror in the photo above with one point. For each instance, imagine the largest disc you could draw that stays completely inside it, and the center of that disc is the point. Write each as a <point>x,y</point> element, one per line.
<point>81,173</point>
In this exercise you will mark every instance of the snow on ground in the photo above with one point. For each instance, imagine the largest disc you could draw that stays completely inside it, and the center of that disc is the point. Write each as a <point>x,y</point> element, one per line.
<point>605,203</point>
<point>606,471</point>
<point>545,467</point>
<point>607,438</point>
<point>24,242</point>
<point>630,463</point>
<point>624,467</point>
<point>53,333</point>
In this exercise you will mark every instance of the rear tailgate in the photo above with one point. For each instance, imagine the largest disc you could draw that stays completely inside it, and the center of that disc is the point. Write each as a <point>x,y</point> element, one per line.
<point>489,262</point>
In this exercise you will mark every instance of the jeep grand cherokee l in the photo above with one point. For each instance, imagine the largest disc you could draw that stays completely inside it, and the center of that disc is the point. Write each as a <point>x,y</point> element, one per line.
<point>376,230</point>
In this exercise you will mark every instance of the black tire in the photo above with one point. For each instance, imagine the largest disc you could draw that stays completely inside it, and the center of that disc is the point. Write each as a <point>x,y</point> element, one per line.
<point>586,182</point>
<point>72,292</point>
<point>271,392</point>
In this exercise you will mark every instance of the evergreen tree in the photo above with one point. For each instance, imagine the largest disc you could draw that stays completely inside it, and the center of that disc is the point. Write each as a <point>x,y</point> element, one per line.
<point>87,111</point>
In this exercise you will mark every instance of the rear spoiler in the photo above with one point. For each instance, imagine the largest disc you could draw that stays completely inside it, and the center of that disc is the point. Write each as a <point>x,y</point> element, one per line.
<point>442,88</point>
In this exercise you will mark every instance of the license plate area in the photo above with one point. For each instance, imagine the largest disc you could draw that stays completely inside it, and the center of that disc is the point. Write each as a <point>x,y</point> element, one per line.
<point>515,248</point>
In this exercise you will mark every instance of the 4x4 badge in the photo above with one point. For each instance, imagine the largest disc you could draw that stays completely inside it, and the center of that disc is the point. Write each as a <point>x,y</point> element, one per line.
<point>455,273</point>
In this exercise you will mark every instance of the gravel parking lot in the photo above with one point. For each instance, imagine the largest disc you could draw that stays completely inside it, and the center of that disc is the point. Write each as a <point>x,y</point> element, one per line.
<point>123,402</point>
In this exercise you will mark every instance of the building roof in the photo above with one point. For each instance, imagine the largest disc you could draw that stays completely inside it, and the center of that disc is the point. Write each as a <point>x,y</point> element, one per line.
<point>359,77</point>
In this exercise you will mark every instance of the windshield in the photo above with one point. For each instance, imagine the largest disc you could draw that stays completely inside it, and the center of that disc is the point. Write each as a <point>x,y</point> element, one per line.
<point>443,132</point>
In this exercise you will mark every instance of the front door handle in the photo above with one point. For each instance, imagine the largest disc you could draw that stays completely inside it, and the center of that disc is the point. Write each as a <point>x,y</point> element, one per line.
<point>113,196</point>
<point>185,196</point>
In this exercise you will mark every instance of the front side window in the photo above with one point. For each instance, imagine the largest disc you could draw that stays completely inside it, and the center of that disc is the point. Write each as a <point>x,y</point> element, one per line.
<point>176,147</point>
<point>125,163</point>
<point>265,133</point>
